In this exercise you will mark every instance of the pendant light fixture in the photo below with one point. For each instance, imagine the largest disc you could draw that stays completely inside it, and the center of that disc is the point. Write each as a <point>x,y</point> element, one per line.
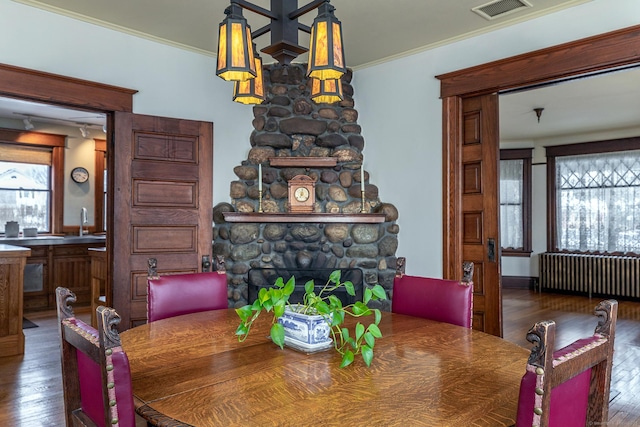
<point>237,61</point>
<point>326,91</point>
<point>235,54</point>
<point>251,91</point>
<point>326,56</point>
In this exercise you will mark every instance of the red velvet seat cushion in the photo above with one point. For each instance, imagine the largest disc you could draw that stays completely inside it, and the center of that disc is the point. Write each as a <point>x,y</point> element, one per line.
<point>90,380</point>
<point>90,388</point>
<point>569,400</point>
<point>437,299</point>
<point>123,389</point>
<point>178,294</point>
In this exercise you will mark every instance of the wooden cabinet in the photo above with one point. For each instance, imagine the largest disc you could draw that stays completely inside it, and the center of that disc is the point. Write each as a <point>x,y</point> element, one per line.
<point>98,281</point>
<point>71,268</point>
<point>36,279</point>
<point>12,262</point>
<point>50,266</point>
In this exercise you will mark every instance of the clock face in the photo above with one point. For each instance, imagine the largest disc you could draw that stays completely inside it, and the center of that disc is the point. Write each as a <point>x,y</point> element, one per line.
<point>301,194</point>
<point>79,174</point>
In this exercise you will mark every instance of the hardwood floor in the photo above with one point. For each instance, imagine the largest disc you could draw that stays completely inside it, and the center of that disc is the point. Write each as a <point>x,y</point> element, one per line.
<point>575,319</point>
<point>31,384</point>
<point>31,390</point>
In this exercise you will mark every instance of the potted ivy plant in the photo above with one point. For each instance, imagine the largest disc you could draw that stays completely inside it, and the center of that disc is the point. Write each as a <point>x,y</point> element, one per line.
<point>324,315</point>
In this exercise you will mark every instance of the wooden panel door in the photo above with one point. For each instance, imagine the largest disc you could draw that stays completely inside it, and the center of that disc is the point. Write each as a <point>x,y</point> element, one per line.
<point>480,208</point>
<point>160,205</point>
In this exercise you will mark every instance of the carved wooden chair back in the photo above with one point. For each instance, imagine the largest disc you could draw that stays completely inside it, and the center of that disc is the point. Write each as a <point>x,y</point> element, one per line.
<point>448,301</point>
<point>569,387</point>
<point>95,369</point>
<point>177,294</point>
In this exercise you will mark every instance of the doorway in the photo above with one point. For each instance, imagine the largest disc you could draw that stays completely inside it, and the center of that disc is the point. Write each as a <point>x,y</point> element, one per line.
<point>602,106</point>
<point>140,133</point>
<point>84,150</point>
<point>582,57</point>
<point>67,93</point>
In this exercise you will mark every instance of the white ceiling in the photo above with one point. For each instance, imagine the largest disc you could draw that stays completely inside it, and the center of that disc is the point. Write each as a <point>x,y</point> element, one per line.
<point>372,29</point>
<point>401,27</point>
<point>596,104</point>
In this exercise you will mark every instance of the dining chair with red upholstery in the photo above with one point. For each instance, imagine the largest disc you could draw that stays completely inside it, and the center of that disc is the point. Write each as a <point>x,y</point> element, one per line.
<point>449,301</point>
<point>177,294</point>
<point>95,369</point>
<point>568,387</point>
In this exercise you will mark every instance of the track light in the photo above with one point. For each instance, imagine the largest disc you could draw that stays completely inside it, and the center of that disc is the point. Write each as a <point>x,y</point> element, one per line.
<point>84,131</point>
<point>27,123</point>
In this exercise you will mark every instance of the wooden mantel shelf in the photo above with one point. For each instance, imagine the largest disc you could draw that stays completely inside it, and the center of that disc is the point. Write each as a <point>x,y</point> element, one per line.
<point>306,162</point>
<point>319,218</point>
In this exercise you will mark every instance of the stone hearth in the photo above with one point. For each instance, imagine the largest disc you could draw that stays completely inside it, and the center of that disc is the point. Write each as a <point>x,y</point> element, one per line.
<point>289,125</point>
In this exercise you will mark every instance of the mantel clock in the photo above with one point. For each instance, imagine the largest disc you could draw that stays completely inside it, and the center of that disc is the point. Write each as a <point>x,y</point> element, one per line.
<point>302,194</point>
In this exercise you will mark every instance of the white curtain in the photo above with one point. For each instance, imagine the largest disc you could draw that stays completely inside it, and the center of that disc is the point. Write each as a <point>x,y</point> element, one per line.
<point>511,188</point>
<point>598,202</point>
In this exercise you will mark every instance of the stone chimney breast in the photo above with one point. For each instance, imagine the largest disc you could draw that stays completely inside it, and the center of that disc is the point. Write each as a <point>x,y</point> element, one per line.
<point>292,135</point>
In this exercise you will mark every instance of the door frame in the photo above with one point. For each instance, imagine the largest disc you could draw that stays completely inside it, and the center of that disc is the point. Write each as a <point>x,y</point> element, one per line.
<point>54,89</point>
<point>47,88</point>
<point>592,55</point>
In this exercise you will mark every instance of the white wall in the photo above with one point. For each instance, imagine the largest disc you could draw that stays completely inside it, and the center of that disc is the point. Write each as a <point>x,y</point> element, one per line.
<point>398,102</point>
<point>171,82</point>
<point>401,118</point>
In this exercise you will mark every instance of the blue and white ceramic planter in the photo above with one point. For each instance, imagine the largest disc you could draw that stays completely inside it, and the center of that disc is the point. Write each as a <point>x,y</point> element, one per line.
<point>305,332</point>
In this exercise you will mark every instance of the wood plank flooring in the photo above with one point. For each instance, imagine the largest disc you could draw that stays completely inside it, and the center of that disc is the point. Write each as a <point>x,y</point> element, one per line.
<point>31,384</point>
<point>575,319</point>
<point>31,389</point>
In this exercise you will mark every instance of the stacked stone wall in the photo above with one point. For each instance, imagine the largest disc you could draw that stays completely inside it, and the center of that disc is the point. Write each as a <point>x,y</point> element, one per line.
<point>290,124</point>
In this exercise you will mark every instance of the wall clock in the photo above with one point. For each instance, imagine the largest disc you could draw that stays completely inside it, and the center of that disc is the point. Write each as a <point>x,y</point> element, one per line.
<point>79,175</point>
<point>302,194</point>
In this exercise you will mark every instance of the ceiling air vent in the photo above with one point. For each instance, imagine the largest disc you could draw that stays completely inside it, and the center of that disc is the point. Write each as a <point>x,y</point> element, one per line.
<point>500,8</point>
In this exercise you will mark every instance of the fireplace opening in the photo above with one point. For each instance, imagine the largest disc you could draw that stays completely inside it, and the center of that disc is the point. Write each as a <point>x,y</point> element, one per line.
<point>265,277</point>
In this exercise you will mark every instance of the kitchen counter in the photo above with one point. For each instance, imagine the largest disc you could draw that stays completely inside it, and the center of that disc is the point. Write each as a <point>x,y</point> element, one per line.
<point>54,261</point>
<point>51,240</point>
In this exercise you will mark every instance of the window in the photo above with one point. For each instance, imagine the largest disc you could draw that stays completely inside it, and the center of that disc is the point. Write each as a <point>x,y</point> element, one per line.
<point>596,196</point>
<point>31,179</point>
<point>25,194</point>
<point>515,202</point>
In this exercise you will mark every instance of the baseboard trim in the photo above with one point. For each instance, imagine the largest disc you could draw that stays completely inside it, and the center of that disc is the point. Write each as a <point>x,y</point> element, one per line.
<point>519,282</point>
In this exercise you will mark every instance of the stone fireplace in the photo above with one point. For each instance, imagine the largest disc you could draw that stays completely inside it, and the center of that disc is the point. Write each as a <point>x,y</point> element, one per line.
<point>294,136</point>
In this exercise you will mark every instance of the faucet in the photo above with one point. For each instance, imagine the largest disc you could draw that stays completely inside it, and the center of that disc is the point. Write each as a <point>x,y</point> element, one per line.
<point>83,220</point>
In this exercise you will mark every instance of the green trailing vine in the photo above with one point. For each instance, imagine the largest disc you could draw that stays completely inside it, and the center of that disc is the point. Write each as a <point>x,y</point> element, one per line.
<point>348,343</point>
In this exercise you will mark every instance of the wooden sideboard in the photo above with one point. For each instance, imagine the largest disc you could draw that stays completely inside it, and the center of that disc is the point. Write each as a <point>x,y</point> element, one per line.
<point>12,262</point>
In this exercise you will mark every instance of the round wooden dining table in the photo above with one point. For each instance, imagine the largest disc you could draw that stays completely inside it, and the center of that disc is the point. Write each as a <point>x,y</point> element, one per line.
<point>191,370</point>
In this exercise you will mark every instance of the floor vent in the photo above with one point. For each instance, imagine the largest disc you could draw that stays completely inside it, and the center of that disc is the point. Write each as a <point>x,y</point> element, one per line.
<point>500,8</point>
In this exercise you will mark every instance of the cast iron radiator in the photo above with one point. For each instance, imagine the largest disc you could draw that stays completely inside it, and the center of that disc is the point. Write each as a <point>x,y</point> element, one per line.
<point>601,275</point>
<point>266,277</point>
